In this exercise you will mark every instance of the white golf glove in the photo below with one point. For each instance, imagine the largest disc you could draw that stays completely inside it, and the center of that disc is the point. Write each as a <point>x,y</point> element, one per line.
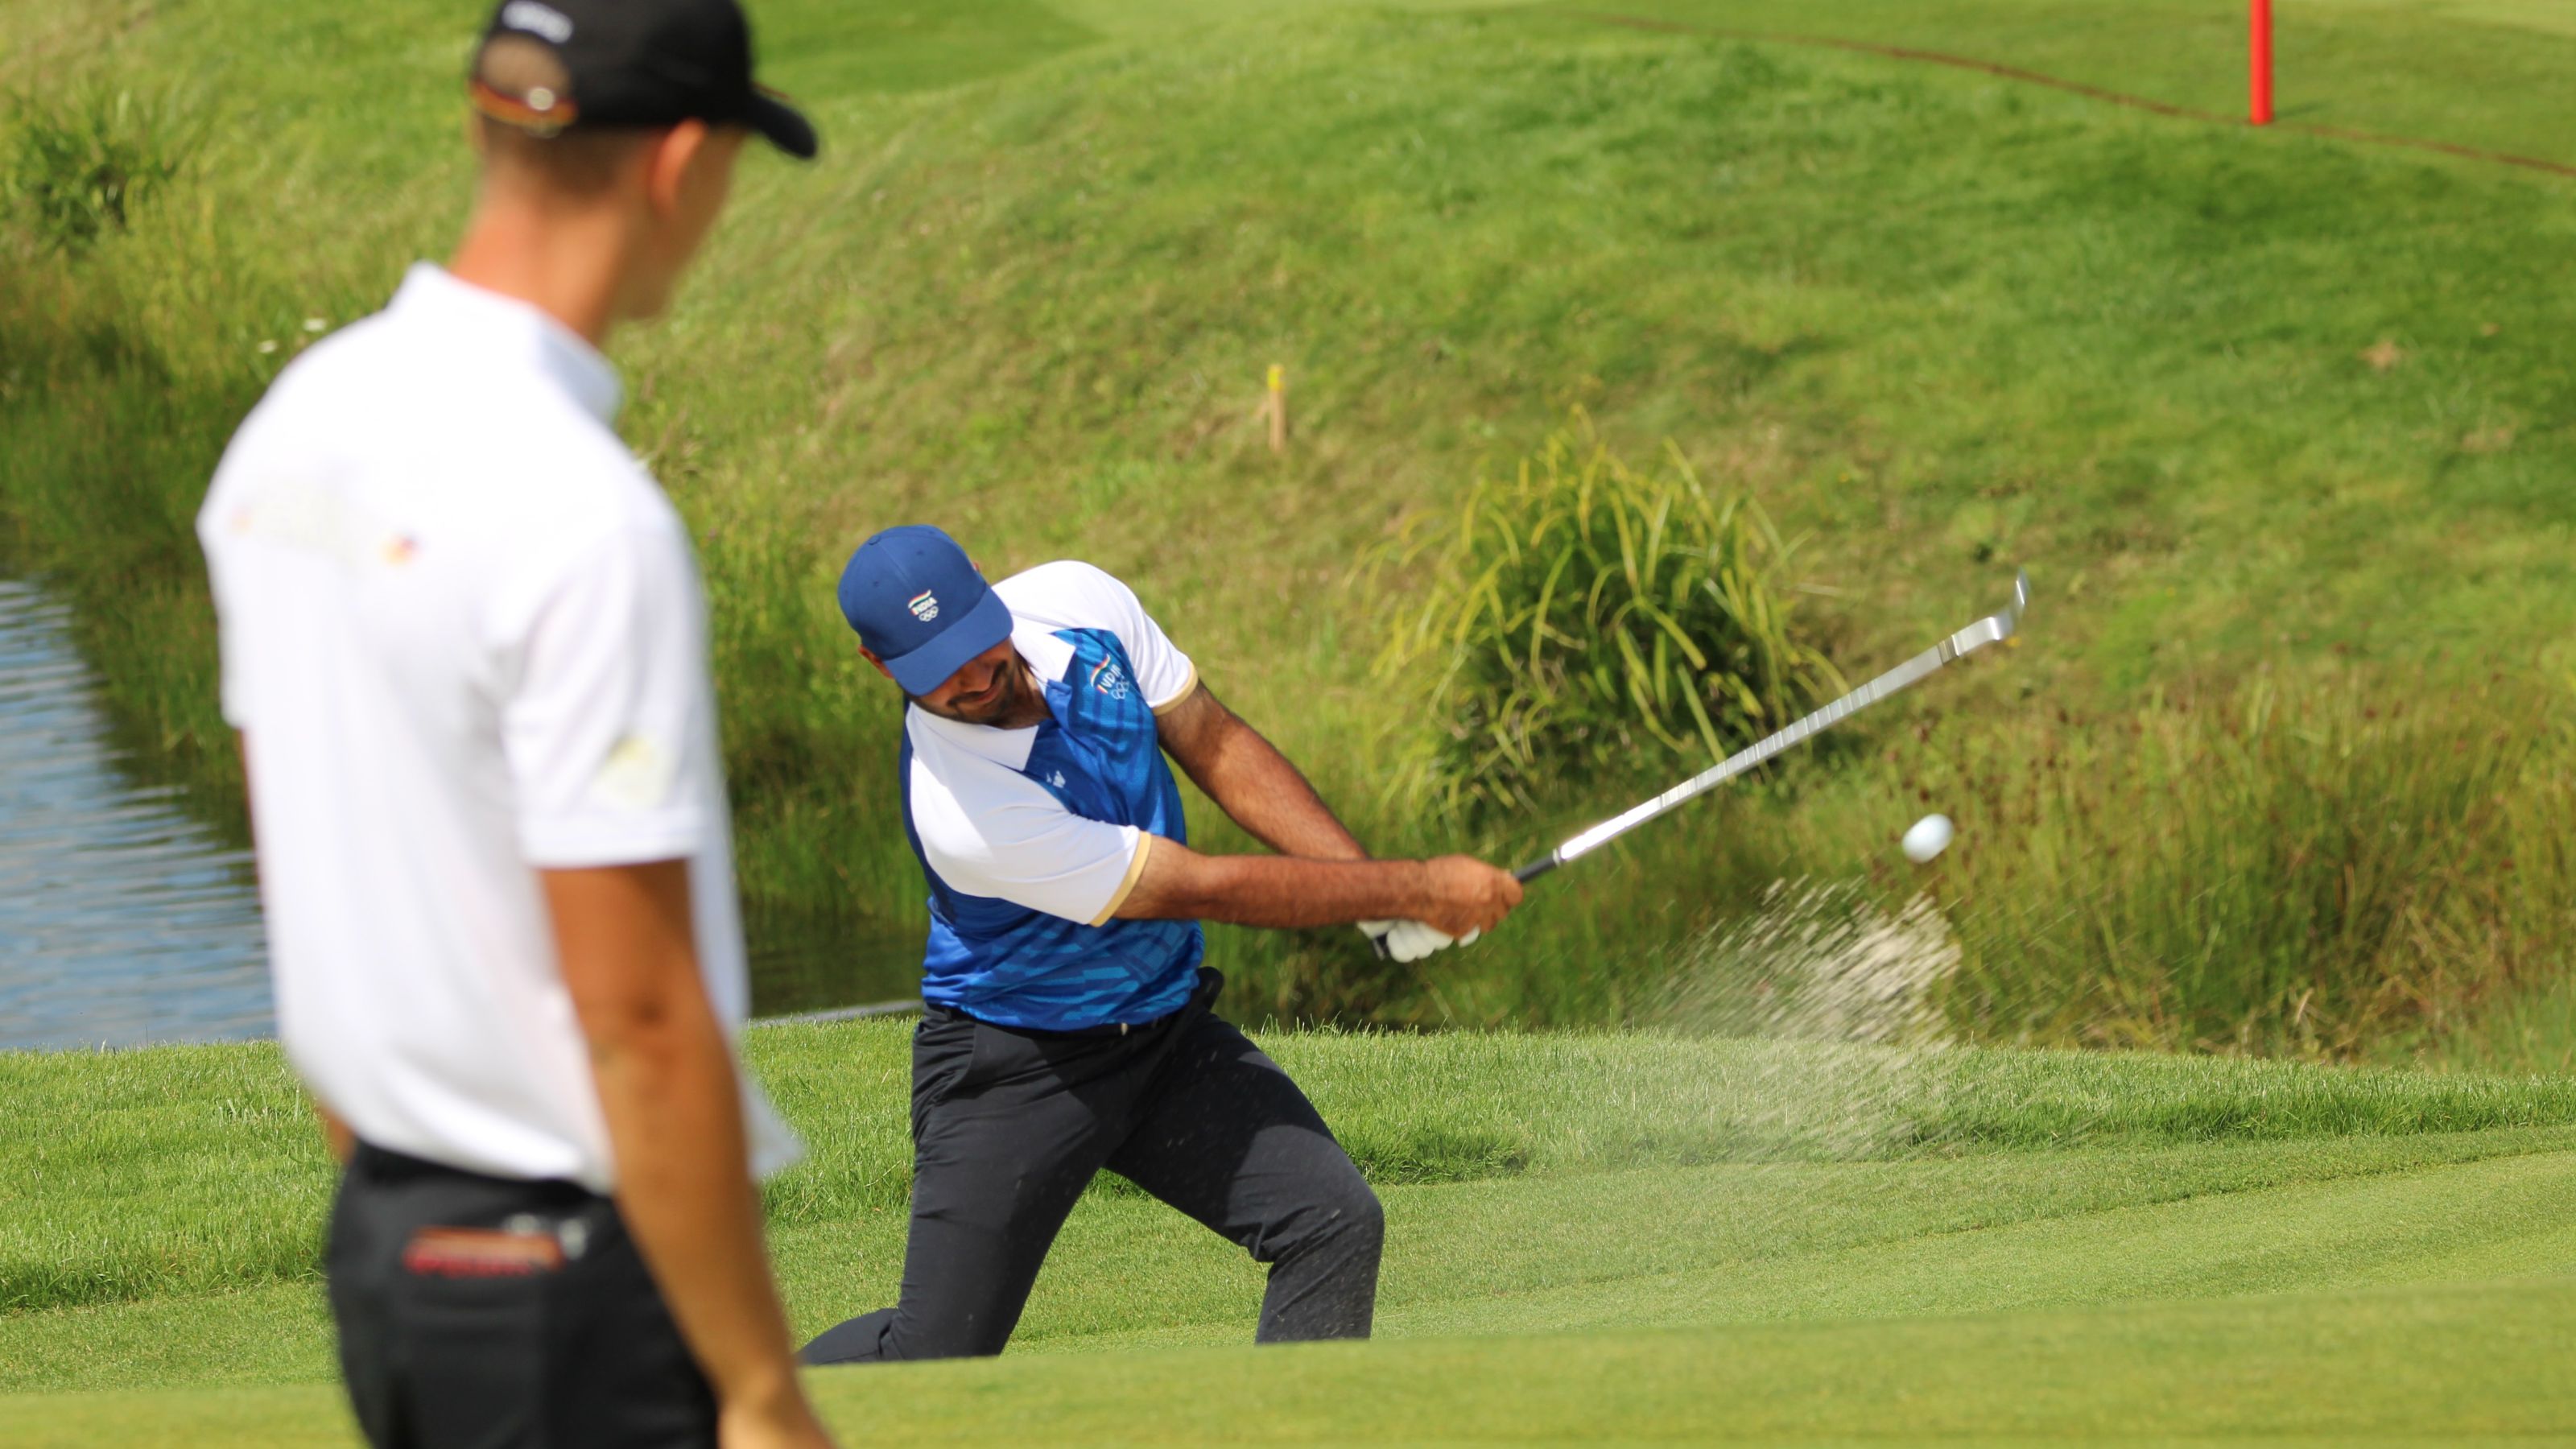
<point>1410,940</point>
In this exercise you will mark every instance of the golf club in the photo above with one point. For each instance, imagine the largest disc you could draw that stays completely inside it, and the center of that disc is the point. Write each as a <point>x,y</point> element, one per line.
<point>1985,631</point>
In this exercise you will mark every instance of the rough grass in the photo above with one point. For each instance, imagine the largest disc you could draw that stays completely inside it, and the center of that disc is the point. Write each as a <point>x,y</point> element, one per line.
<point>2364,863</point>
<point>128,1173</point>
<point>2465,72</point>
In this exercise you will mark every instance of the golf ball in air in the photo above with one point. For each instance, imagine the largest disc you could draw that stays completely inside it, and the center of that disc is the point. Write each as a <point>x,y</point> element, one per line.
<point>1929,837</point>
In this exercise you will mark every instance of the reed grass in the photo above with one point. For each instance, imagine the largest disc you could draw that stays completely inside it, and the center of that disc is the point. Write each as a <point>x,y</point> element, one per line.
<point>1582,618</point>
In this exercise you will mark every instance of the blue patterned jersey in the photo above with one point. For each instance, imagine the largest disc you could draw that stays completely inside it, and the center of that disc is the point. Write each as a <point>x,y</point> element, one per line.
<point>1031,839</point>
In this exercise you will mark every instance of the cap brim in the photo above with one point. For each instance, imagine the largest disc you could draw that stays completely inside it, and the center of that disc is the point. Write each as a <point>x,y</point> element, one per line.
<point>786,128</point>
<point>928,667</point>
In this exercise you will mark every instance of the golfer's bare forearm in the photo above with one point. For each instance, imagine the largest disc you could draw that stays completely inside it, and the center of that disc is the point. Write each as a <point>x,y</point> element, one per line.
<point>1251,781</point>
<point>674,1113</point>
<point>1273,890</point>
<point>673,1109</point>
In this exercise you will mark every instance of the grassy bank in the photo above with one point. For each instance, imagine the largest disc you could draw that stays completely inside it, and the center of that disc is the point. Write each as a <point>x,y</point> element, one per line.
<point>2470,73</point>
<point>2233,394</point>
<point>2085,1232</point>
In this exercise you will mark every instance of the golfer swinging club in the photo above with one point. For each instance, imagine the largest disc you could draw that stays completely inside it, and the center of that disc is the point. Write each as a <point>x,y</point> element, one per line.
<point>464,644</point>
<point>1067,1023</point>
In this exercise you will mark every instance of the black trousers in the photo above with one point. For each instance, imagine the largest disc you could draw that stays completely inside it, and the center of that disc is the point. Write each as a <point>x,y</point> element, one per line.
<point>485,1313</point>
<point>1009,1126</point>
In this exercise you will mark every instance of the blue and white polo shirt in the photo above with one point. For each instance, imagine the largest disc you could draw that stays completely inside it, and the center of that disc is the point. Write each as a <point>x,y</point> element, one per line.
<point>1032,838</point>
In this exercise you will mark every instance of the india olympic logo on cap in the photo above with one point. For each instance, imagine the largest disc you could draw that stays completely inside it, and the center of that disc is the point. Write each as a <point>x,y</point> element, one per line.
<point>923,606</point>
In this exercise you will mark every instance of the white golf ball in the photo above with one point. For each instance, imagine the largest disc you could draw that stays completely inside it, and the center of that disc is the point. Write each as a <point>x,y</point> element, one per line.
<point>1929,837</point>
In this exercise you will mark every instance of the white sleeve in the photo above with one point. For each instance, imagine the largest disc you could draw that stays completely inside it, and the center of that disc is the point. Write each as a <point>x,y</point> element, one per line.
<point>990,831</point>
<point>1163,672</point>
<point>611,710</point>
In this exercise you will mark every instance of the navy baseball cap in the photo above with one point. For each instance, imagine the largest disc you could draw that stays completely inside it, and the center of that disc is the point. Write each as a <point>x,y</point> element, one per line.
<point>550,65</point>
<point>920,606</point>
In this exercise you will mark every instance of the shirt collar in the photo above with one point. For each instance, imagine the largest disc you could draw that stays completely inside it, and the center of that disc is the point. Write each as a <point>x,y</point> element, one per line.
<point>1009,749</point>
<point>514,330</point>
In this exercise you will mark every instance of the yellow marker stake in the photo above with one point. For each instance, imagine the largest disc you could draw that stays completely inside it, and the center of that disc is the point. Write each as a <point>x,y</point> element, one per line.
<point>1278,408</point>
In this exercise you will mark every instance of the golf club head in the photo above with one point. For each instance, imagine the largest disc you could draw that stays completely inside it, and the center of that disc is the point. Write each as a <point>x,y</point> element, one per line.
<point>1994,628</point>
<point>2020,604</point>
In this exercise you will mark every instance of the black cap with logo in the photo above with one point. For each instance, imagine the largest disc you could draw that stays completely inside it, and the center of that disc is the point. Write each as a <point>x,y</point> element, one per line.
<point>547,65</point>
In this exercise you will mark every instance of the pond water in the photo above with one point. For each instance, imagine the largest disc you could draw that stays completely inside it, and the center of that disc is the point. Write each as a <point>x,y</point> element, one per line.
<point>125,922</point>
<point>122,920</point>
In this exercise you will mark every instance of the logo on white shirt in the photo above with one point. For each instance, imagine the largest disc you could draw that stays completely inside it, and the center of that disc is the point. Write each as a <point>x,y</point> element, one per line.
<point>637,775</point>
<point>924,606</point>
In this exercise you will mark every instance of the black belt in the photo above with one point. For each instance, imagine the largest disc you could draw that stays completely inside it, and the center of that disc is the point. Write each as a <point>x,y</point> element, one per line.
<point>383,1164</point>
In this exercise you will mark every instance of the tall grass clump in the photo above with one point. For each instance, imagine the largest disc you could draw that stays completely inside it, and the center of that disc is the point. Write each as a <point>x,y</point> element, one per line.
<point>80,162</point>
<point>2279,868</point>
<point>1581,617</point>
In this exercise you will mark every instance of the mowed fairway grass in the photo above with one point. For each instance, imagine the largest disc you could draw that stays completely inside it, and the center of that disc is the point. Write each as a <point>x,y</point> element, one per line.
<point>1594,1236</point>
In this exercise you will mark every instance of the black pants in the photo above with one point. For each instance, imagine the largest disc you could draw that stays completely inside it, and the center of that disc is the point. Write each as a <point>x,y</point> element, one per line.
<point>484,1313</point>
<point>1009,1126</point>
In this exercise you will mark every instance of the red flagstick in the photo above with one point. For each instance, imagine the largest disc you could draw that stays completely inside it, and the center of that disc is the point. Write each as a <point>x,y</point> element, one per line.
<point>2262,53</point>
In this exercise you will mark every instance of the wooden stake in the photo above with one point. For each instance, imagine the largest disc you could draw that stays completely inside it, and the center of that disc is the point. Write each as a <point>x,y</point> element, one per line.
<point>1278,405</point>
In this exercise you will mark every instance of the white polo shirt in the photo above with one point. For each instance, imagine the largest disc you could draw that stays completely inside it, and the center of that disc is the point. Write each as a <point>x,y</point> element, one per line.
<point>463,633</point>
<point>991,818</point>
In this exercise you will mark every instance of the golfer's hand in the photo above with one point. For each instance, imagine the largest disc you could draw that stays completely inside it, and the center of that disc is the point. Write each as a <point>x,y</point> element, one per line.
<point>1465,896</point>
<point>779,1421</point>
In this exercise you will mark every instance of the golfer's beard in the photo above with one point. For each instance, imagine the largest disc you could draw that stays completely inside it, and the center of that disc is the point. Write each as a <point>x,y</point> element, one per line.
<point>1012,700</point>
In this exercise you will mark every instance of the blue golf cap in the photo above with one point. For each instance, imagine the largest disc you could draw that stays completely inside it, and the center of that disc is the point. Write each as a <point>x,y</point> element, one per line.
<point>919,605</point>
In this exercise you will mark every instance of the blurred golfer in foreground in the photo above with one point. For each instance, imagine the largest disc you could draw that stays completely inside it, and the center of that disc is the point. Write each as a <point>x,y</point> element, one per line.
<point>464,644</point>
<point>1067,1023</point>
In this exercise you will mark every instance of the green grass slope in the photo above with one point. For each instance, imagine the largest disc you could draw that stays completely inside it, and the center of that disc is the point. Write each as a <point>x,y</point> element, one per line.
<point>2396,68</point>
<point>2243,399</point>
<point>1641,1238</point>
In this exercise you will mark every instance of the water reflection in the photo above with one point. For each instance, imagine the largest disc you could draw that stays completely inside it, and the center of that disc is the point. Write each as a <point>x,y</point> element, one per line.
<point>122,921</point>
<point>805,964</point>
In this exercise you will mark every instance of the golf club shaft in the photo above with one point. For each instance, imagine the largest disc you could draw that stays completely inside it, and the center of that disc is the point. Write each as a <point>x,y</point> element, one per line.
<point>1985,631</point>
